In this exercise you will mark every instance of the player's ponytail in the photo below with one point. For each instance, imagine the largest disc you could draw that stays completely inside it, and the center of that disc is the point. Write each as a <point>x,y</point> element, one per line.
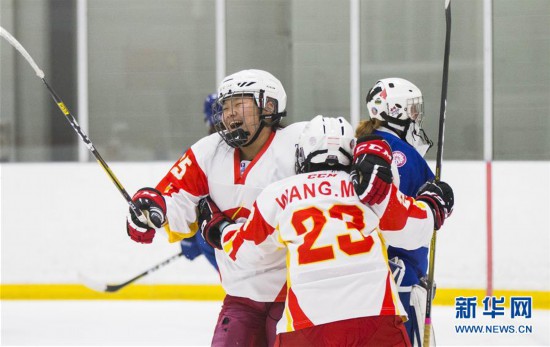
<point>366,127</point>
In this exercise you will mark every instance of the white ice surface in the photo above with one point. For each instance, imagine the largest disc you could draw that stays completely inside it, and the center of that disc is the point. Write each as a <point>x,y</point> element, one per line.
<point>190,323</point>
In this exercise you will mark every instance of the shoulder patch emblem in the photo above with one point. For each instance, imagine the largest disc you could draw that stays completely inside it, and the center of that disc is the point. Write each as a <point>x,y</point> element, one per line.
<point>399,158</point>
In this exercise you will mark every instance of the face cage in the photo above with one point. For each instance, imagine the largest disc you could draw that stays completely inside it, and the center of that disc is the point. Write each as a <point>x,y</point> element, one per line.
<point>415,109</point>
<point>240,136</point>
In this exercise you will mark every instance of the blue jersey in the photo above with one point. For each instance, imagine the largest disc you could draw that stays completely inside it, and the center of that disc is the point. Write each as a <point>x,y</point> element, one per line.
<point>194,246</point>
<point>413,173</point>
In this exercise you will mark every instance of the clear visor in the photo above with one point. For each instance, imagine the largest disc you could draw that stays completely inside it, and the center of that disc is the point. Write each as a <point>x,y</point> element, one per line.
<point>415,109</point>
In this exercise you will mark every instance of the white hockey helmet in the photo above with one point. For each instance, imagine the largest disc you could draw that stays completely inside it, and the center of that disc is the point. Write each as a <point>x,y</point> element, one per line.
<point>325,144</point>
<point>394,98</point>
<point>259,83</point>
<point>264,88</point>
<point>399,105</point>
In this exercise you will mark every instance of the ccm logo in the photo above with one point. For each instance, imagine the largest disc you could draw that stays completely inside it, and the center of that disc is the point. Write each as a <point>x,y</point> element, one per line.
<point>373,148</point>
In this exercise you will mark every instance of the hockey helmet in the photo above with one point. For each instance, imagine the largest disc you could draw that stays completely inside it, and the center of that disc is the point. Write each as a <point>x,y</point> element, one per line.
<point>399,105</point>
<point>210,108</point>
<point>265,89</point>
<point>325,144</point>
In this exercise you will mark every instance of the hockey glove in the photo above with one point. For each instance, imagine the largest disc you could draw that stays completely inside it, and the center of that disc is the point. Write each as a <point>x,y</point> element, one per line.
<point>440,197</point>
<point>151,202</point>
<point>212,221</point>
<point>371,173</point>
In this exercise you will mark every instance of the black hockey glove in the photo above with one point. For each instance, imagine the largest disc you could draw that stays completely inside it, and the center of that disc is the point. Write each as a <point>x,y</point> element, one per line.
<point>371,173</point>
<point>212,221</point>
<point>440,197</point>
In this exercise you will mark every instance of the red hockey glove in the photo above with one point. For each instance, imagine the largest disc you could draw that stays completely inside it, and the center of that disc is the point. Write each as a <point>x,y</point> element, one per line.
<point>371,173</point>
<point>151,202</point>
<point>440,197</point>
<point>212,221</point>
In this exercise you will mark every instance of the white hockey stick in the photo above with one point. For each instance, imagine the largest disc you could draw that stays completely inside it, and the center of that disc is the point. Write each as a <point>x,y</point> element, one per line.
<point>137,212</point>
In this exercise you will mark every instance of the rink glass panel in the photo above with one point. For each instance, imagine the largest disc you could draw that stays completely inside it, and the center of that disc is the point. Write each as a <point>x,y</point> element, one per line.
<point>150,69</point>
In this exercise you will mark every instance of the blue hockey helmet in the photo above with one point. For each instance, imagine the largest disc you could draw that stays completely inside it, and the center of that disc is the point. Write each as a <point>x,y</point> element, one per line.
<point>210,109</point>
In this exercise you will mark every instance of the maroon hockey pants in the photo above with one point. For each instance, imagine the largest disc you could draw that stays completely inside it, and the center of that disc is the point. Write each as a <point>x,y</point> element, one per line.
<point>247,323</point>
<point>366,331</point>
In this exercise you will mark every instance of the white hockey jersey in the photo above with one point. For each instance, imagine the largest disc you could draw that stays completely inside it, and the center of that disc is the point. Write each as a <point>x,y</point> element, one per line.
<point>211,167</point>
<point>336,259</point>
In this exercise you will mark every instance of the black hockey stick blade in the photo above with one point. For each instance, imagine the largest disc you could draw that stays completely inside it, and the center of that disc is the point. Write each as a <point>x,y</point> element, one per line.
<point>104,287</point>
<point>112,288</point>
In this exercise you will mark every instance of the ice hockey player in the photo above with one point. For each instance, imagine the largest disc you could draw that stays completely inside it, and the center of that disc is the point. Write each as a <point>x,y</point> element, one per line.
<point>395,106</point>
<point>339,286</point>
<point>249,151</point>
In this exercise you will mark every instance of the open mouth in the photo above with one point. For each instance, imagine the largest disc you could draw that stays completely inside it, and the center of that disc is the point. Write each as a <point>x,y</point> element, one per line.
<point>235,124</point>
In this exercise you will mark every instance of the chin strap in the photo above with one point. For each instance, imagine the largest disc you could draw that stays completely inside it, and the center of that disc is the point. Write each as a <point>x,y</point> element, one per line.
<point>276,118</point>
<point>398,126</point>
<point>256,134</point>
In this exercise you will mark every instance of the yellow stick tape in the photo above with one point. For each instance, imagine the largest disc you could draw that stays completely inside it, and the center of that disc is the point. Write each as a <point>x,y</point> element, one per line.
<point>63,108</point>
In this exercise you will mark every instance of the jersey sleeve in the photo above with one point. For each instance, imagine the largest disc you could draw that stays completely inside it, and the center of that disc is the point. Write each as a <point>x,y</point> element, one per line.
<point>182,187</point>
<point>251,241</point>
<point>406,223</point>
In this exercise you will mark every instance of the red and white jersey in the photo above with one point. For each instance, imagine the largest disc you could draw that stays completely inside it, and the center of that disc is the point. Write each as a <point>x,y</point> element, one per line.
<point>336,259</point>
<point>211,167</point>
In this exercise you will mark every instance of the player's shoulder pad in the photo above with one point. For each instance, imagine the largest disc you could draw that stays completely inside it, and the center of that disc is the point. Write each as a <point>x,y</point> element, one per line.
<point>208,145</point>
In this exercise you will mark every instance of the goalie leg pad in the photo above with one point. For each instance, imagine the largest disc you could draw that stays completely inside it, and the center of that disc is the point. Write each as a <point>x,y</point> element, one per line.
<point>418,314</point>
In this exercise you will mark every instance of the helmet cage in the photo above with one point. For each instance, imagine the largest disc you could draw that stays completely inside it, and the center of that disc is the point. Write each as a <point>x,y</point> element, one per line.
<point>415,109</point>
<point>241,137</point>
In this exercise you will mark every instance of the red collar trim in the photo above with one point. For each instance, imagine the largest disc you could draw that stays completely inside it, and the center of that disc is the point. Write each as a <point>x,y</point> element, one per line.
<point>237,161</point>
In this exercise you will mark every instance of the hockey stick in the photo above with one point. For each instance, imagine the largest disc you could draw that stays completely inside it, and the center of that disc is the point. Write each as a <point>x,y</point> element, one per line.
<point>137,212</point>
<point>440,139</point>
<point>111,288</point>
